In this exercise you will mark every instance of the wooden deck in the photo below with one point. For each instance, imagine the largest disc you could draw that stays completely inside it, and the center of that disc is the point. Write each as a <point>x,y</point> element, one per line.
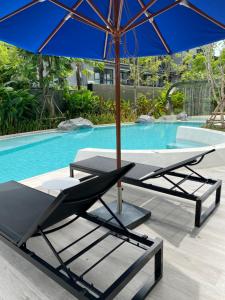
<point>194,259</point>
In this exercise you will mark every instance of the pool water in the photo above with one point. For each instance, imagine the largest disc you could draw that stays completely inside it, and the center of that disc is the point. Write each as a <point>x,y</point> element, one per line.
<point>26,156</point>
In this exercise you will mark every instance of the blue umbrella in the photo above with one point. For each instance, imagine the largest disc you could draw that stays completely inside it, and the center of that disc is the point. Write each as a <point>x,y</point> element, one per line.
<point>105,29</point>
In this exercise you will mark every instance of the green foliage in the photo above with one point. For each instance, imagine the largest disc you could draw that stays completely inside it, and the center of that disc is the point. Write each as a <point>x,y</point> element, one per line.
<point>155,70</point>
<point>9,63</point>
<point>108,118</point>
<point>81,102</point>
<point>86,104</point>
<point>194,66</point>
<point>155,107</point>
<point>21,71</point>
<point>177,100</point>
<point>32,125</point>
<point>144,105</point>
<point>160,104</point>
<point>16,106</point>
<point>103,118</point>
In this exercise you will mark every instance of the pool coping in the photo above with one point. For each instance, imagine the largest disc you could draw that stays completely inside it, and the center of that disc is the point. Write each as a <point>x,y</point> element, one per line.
<point>36,132</point>
<point>15,135</point>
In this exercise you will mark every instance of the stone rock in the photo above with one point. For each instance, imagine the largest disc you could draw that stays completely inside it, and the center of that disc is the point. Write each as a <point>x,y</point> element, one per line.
<point>182,116</point>
<point>145,119</point>
<point>74,124</point>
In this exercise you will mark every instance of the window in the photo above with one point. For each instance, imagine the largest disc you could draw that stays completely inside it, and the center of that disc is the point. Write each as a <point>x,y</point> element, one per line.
<point>108,76</point>
<point>124,76</point>
<point>97,76</point>
<point>103,77</point>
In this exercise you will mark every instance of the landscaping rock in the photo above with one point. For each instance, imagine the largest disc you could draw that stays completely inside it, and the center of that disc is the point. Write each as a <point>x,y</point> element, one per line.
<point>74,124</point>
<point>145,119</point>
<point>182,116</point>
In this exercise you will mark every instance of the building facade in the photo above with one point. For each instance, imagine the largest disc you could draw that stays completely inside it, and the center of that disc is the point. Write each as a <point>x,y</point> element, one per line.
<point>97,76</point>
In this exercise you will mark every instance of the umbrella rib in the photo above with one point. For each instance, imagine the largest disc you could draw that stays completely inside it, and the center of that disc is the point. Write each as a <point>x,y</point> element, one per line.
<point>161,11</point>
<point>19,10</point>
<point>49,38</point>
<point>97,11</point>
<point>120,15</point>
<point>203,14</point>
<point>156,28</point>
<point>80,17</point>
<point>139,14</point>
<point>107,34</point>
<point>59,26</point>
<point>91,23</point>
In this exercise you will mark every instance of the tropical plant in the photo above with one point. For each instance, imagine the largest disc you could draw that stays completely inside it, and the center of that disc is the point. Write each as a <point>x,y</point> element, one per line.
<point>177,100</point>
<point>144,105</point>
<point>81,102</point>
<point>155,107</point>
<point>16,106</point>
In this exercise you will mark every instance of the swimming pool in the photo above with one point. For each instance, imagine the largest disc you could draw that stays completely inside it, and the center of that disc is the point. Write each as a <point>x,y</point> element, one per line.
<point>26,156</point>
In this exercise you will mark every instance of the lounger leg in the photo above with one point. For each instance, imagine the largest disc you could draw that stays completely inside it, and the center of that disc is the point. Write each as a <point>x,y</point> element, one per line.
<point>218,195</point>
<point>198,212</point>
<point>71,172</point>
<point>158,265</point>
<point>200,217</point>
<point>149,285</point>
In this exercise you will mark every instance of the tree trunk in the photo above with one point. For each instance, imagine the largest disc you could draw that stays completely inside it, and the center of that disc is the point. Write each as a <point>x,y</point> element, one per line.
<point>78,77</point>
<point>41,71</point>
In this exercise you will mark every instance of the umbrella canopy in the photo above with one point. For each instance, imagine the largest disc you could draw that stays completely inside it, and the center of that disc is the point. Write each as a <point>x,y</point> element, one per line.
<point>105,29</point>
<point>156,27</point>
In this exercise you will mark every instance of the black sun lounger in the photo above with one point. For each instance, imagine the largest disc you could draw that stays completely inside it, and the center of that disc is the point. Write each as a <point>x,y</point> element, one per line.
<point>26,214</point>
<point>142,175</point>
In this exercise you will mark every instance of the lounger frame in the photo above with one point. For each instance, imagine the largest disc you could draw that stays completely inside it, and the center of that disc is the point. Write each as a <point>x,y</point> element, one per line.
<point>76,284</point>
<point>176,189</point>
<point>200,216</point>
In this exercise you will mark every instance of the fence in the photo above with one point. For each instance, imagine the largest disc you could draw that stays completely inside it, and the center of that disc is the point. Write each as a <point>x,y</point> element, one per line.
<point>127,92</point>
<point>197,97</point>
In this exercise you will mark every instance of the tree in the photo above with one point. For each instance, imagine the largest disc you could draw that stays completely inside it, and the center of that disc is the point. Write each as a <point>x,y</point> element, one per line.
<point>206,65</point>
<point>21,69</point>
<point>215,70</point>
<point>194,67</point>
<point>9,63</point>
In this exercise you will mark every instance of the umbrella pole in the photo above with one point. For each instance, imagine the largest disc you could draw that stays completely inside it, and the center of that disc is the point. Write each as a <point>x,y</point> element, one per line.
<point>129,214</point>
<point>118,117</point>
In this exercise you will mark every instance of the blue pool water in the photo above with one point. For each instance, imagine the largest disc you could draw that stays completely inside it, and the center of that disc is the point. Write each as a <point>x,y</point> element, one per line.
<point>27,156</point>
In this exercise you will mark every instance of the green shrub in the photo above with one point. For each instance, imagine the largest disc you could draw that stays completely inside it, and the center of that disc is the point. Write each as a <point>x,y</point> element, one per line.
<point>81,102</point>
<point>86,104</point>
<point>177,100</point>
<point>144,105</point>
<point>160,104</point>
<point>32,125</point>
<point>155,107</point>
<point>108,118</point>
<point>16,107</point>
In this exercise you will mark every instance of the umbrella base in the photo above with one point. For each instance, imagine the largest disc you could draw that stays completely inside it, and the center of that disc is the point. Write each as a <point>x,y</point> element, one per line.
<point>131,216</point>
